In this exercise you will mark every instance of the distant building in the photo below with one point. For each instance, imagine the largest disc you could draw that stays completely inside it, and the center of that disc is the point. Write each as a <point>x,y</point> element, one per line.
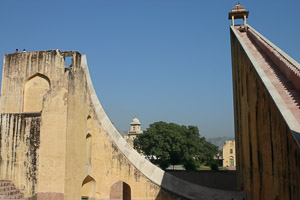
<point>228,153</point>
<point>135,129</point>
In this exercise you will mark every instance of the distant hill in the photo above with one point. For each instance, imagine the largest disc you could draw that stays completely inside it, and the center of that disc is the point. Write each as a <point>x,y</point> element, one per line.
<point>219,141</point>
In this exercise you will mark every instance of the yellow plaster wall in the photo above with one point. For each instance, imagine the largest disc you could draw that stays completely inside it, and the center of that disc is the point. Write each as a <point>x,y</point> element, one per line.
<point>36,69</point>
<point>78,112</point>
<point>229,145</point>
<point>108,165</point>
<point>111,166</point>
<point>52,152</point>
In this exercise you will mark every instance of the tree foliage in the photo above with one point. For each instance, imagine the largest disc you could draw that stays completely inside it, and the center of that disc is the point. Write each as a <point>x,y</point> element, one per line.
<point>170,144</point>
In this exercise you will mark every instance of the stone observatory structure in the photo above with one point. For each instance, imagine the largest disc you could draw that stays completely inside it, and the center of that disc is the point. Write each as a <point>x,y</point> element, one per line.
<point>266,88</point>
<point>56,142</point>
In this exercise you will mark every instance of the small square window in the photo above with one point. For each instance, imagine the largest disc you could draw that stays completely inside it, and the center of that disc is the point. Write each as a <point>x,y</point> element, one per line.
<point>231,150</point>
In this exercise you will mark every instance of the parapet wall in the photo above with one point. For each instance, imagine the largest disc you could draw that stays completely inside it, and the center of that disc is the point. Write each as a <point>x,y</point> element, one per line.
<point>266,122</point>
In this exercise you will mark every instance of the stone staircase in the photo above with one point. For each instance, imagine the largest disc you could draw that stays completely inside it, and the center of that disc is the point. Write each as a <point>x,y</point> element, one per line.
<point>9,191</point>
<point>282,83</point>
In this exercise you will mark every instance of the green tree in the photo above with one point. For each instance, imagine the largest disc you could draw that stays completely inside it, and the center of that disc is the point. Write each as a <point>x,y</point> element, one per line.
<point>168,144</point>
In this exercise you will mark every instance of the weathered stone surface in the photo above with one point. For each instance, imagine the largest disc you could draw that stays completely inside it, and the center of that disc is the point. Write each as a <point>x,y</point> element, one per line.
<point>19,144</point>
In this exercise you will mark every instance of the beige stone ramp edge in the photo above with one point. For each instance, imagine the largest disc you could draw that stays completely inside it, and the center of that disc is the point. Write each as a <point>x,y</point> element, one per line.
<point>155,174</point>
<point>281,105</point>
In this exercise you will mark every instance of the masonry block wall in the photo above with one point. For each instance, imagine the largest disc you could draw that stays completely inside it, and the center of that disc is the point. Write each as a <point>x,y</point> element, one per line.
<point>268,156</point>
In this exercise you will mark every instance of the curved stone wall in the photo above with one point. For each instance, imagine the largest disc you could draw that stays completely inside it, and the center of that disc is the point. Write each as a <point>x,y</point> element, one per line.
<point>153,173</point>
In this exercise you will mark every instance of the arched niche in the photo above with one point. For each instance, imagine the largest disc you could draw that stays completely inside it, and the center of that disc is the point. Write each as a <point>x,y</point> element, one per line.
<point>89,122</point>
<point>88,149</point>
<point>88,188</point>
<point>120,191</point>
<point>35,88</point>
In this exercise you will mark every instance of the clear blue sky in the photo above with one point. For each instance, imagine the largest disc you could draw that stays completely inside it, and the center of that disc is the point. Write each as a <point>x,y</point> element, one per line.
<point>162,60</point>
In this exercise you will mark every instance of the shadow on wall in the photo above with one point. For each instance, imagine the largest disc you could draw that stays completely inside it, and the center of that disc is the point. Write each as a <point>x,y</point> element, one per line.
<point>205,190</point>
<point>223,180</point>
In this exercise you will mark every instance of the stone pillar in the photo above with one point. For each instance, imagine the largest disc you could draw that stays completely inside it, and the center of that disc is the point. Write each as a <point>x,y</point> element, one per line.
<point>232,18</point>
<point>245,22</point>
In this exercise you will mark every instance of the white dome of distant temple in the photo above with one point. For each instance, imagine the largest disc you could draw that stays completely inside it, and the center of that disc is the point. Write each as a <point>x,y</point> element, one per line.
<point>135,129</point>
<point>135,121</point>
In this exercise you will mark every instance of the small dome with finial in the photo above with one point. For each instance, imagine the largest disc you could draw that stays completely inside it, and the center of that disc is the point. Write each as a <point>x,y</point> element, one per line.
<point>135,121</point>
<point>238,8</point>
<point>238,12</point>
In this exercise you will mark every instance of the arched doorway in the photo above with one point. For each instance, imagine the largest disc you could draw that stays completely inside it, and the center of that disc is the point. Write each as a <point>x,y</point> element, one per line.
<point>88,188</point>
<point>35,89</point>
<point>120,191</point>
